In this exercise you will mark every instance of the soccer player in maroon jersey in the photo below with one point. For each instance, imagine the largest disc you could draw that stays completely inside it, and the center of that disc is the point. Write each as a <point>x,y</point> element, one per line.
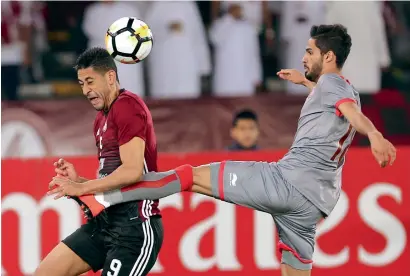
<point>124,239</point>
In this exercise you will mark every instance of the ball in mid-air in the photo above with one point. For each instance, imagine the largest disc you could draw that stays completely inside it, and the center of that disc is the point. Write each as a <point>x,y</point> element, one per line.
<point>129,40</point>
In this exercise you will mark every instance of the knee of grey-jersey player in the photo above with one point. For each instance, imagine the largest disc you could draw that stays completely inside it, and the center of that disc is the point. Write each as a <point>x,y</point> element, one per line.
<point>290,259</point>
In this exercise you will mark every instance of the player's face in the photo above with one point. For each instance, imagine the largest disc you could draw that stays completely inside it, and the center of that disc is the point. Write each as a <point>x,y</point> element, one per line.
<point>94,86</point>
<point>312,61</point>
<point>245,133</point>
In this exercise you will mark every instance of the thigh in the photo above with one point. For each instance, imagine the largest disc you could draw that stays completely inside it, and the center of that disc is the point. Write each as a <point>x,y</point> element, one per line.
<point>62,261</point>
<point>76,254</point>
<point>136,249</point>
<point>257,185</point>
<point>88,243</point>
<point>297,230</point>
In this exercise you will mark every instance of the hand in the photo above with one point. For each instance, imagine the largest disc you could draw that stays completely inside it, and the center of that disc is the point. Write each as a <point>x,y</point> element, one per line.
<point>382,149</point>
<point>61,186</point>
<point>66,169</point>
<point>292,75</point>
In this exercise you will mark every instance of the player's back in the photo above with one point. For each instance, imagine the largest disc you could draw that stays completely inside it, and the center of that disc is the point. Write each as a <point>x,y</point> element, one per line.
<point>127,118</point>
<point>314,162</point>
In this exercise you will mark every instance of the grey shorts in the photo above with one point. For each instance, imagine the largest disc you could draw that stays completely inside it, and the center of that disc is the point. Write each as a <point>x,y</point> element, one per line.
<point>260,186</point>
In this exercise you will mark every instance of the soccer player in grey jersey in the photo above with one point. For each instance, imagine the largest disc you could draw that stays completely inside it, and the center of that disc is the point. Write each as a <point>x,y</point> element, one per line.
<point>298,190</point>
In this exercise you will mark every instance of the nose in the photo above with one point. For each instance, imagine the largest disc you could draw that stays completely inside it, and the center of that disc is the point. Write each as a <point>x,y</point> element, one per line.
<point>86,89</point>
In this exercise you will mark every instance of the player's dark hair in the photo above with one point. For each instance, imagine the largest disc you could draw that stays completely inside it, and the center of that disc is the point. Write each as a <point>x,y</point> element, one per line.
<point>246,114</point>
<point>97,58</point>
<point>333,38</point>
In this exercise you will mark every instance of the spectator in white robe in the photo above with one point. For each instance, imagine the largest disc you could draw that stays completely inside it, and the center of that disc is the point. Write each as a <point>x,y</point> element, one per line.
<point>369,53</point>
<point>238,69</point>
<point>296,20</point>
<point>180,56</point>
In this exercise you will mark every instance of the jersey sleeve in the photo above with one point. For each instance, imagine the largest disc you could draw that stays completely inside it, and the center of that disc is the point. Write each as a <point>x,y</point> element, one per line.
<point>335,91</point>
<point>130,119</point>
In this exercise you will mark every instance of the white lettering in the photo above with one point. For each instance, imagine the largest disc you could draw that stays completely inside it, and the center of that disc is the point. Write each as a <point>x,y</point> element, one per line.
<point>174,201</point>
<point>265,241</point>
<point>382,222</point>
<point>115,267</point>
<point>29,212</point>
<point>23,137</point>
<point>320,258</point>
<point>223,221</point>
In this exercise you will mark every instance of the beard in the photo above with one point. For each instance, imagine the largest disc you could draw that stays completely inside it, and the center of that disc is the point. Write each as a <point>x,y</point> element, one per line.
<point>314,73</point>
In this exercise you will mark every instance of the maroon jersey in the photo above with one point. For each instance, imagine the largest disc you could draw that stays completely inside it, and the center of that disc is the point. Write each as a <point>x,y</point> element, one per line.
<point>127,118</point>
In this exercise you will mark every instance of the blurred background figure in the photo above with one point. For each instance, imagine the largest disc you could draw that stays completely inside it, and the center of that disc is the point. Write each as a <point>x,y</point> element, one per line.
<point>296,20</point>
<point>264,16</point>
<point>97,18</point>
<point>244,131</point>
<point>369,54</point>
<point>16,27</point>
<point>180,56</point>
<point>255,12</point>
<point>39,42</point>
<point>238,69</point>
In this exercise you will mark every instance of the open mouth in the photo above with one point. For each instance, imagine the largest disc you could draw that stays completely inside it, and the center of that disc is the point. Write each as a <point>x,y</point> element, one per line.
<point>93,99</point>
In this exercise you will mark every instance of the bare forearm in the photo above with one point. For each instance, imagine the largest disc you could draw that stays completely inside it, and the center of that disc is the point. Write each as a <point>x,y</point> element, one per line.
<point>81,179</point>
<point>362,124</point>
<point>121,177</point>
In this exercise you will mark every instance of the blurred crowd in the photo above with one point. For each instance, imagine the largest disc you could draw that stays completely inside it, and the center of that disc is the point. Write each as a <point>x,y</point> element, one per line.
<point>219,48</point>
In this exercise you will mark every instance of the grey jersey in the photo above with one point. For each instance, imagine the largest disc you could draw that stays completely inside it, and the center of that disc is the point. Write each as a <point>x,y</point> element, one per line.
<point>314,163</point>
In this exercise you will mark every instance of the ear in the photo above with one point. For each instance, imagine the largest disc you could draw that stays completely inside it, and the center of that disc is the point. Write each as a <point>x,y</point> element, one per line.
<point>329,57</point>
<point>111,77</point>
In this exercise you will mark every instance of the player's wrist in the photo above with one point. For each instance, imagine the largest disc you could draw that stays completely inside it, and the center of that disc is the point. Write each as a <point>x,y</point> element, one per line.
<point>80,179</point>
<point>88,187</point>
<point>374,135</point>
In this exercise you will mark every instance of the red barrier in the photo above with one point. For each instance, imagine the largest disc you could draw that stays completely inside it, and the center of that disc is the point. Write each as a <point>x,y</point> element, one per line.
<point>365,235</point>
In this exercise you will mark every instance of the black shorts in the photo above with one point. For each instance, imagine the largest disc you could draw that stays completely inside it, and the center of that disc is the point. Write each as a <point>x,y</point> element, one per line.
<point>119,242</point>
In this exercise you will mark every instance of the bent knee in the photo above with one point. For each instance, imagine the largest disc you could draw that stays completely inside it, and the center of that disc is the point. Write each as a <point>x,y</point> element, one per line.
<point>293,266</point>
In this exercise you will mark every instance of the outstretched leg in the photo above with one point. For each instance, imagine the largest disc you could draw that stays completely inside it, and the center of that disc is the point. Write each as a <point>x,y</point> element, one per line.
<point>258,185</point>
<point>229,181</point>
<point>153,185</point>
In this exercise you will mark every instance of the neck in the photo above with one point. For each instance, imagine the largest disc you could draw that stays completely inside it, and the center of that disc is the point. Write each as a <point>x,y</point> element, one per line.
<point>331,71</point>
<point>114,92</point>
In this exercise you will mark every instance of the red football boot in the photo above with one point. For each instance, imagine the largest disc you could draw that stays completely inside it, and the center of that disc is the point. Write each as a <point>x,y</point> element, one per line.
<point>90,206</point>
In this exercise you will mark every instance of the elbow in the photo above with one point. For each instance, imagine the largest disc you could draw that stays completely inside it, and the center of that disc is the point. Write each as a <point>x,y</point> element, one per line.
<point>136,175</point>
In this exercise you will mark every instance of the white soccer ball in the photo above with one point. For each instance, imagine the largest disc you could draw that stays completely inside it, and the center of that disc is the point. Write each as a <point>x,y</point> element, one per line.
<point>129,40</point>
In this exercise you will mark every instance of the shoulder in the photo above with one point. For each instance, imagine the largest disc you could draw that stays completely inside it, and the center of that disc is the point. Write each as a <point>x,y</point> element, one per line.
<point>334,83</point>
<point>332,79</point>
<point>128,101</point>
